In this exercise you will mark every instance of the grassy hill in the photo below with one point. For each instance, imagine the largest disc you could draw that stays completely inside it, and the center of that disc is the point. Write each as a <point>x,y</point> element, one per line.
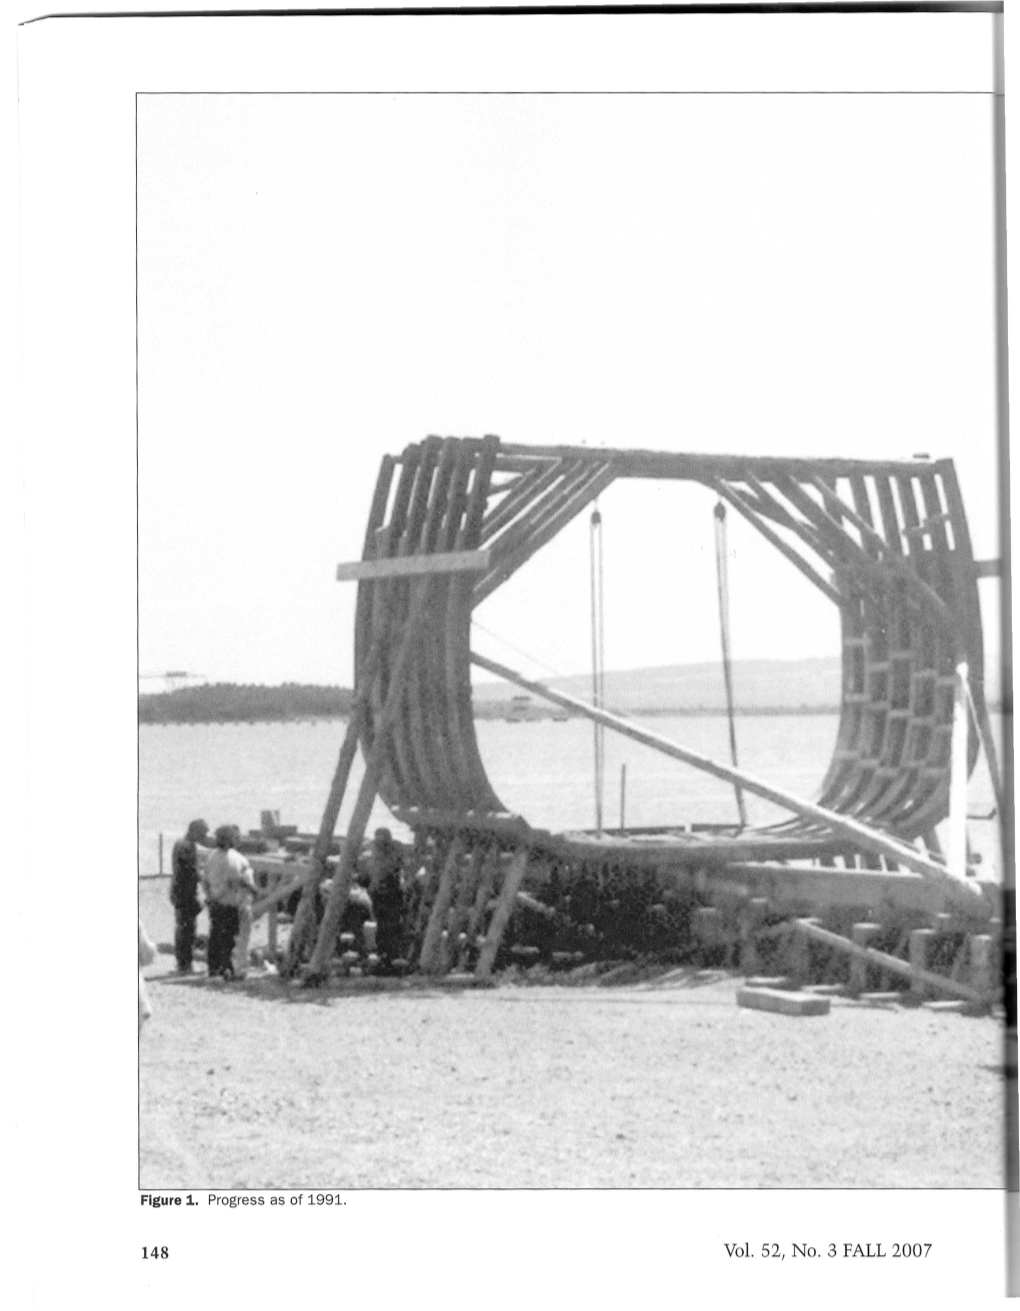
<point>759,686</point>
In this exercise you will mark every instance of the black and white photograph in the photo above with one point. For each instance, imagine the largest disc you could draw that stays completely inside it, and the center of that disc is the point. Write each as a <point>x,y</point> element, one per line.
<point>569,559</point>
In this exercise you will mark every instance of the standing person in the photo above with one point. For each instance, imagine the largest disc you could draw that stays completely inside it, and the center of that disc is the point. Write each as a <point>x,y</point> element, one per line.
<point>230,892</point>
<point>184,892</point>
<point>146,955</point>
<point>388,897</point>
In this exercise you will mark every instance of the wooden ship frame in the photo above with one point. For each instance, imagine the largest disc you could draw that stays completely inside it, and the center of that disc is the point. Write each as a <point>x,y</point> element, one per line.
<point>887,542</point>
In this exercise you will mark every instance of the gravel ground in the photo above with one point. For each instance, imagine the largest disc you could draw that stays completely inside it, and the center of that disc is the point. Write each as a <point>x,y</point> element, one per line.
<point>257,1085</point>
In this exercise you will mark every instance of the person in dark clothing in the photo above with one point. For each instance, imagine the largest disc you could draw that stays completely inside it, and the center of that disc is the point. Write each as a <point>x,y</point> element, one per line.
<point>184,892</point>
<point>357,912</point>
<point>388,897</point>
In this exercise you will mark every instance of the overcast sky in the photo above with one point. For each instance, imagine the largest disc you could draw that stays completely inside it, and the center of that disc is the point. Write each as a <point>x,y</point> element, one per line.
<point>323,279</point>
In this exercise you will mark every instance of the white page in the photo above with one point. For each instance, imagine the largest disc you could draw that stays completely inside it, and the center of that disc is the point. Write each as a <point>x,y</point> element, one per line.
<point>533,290</point>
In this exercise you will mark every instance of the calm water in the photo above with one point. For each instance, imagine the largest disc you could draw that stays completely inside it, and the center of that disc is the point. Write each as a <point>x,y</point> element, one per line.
<point>228,773</point>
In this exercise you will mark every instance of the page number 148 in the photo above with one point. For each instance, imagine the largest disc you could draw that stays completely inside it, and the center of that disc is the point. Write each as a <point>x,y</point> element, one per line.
<point>155,1253</point>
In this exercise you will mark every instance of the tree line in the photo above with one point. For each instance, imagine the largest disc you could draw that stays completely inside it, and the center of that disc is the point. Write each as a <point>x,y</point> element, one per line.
<point>222,703</point>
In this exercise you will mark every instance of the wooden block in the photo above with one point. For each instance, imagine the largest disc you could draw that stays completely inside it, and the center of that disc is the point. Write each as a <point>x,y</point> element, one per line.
<point>956,1007</point>
<point>980,962</point>
<point>782,1003</point>
<point>919,940</point>
<point>863,935</point>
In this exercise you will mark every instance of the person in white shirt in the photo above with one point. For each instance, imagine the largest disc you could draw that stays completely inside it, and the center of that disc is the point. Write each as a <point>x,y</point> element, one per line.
<point>230,892</point>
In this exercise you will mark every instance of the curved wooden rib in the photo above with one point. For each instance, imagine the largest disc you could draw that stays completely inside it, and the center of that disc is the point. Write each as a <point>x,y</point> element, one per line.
<point>887,542</point>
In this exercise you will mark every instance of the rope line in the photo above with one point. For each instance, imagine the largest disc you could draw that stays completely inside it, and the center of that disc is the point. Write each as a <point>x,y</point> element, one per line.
<point>722,575</point>
<point>598,652</point>
<point>556,673</point>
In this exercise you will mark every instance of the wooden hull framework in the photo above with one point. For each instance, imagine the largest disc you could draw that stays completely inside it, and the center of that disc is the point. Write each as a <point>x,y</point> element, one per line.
<point>887,542</point>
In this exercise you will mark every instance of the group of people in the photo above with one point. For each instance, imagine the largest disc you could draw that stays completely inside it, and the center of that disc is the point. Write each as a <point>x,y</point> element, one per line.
<point>228,886</point>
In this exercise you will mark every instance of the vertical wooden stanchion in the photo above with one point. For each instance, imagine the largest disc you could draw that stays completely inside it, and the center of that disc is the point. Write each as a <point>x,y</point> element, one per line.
<point>919,940</point>
<point>427,961</point>
<point>271,924</point>
<point>799,955</point>
<point>957,853</point>
<point>751,918</point>
<point>161,855</point>
<point>501,915</point>
<point>980,962</point>
<point>457,919</point>
<point>476,915</point>
<point>863,934</point>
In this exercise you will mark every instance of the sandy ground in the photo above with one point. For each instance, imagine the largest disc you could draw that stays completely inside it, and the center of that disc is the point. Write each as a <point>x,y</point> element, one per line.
<point>255,1084</point>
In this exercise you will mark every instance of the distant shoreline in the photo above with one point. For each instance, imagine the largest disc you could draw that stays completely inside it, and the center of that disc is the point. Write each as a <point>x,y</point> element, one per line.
<point>499,714</point>
<point>294,703</point>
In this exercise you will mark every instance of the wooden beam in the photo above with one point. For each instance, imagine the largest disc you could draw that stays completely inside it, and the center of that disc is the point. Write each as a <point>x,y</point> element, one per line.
<point>405,566</point>
<point>862,835</point>
<point>369,784</point>
<point>988,568</point>
<point>633,463</point>
<point>427,961</point>
<point>796,559</point>
<point>891,963</point>
<point>501,915</point>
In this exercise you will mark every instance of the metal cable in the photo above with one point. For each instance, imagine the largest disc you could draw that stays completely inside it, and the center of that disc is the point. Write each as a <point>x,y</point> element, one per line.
<point>722,575</point>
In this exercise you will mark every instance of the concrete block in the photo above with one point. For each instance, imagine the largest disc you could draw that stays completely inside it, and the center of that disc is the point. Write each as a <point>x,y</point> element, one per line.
<point>782,1003</point>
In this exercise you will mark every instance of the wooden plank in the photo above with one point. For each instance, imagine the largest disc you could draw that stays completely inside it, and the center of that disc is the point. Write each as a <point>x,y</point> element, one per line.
<point>782,1003</point>
<point>544,531</point>
<point>956,856</point>
<point>987,568</point>
<point>407,566</point>
<point>892,964</point>
<point>533,485</point>
<point>440,906</point>
<point>697,466</point>
<point>861,834</point>
<point>796,559</point>
<point>369,785</point>
<point>501,915</point>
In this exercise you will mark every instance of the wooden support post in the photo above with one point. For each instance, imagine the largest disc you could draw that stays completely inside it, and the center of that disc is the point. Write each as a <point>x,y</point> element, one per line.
<point>751,918</point>
<point>980,963</point>
<point>705,926</point>
<point>271,926</point>
<point>476,915</point>
<point>304,918</point>
<point>427,961</point>
<point>457,919</point>
<point>501,915</point>
<point>798,965</point>
<point>369,784</point>
<point>919,940</point>
<point>957,853</point>
<point>863,935</point>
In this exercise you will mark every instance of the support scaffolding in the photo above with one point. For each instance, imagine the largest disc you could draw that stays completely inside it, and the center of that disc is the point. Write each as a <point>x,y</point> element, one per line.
<point>452,519</point>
